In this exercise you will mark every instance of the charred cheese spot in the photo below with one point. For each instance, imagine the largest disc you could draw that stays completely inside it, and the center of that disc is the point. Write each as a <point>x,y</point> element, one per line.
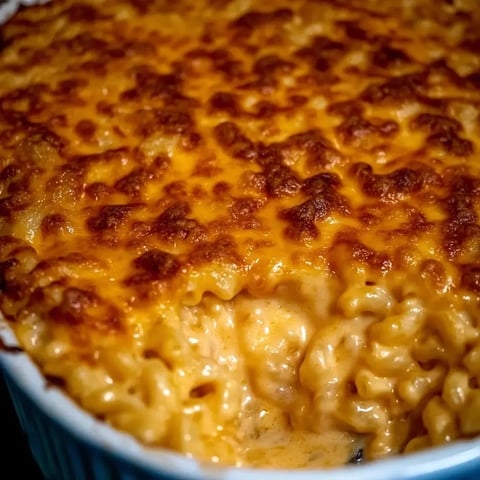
<point>230,137</point>
<point>85,129</point>
<point>52,224</point>
<point>360,132</point>
<point>85,308</point>
<point>389,186</point>
<point>395,91</point>
<point>389,57</point>
<point>157,263</point>
<point>110,217</point>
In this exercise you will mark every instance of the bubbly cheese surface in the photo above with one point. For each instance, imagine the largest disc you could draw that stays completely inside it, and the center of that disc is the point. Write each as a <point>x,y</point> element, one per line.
<point>248,231</point>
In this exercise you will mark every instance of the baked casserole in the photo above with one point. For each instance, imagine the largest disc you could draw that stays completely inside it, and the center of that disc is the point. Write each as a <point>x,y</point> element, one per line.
<point>248,231</point>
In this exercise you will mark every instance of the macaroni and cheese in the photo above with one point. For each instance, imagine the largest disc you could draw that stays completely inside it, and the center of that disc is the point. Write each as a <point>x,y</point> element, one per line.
<point>248,231</point>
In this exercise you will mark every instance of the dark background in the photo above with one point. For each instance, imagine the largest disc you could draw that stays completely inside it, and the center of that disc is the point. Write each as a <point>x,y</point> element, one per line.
<point>16,456</point>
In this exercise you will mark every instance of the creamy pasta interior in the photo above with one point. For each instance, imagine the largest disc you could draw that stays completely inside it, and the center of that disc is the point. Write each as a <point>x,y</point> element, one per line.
<point>248,231</point>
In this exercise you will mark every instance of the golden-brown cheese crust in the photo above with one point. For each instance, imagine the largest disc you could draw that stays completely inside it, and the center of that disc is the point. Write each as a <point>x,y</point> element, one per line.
<point>146,146</point>
<point>250,138</point>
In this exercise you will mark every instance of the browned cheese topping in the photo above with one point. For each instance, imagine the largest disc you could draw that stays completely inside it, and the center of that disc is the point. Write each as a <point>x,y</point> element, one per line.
<point>162,161</point>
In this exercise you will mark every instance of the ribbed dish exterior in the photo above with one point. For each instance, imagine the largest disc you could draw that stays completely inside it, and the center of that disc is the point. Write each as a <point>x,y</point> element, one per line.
<point>62,456</point>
